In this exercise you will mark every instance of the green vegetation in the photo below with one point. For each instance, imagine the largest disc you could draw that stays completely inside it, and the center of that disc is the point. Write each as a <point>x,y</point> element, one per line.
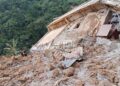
<point>11,49</point>
<point>23,22</point>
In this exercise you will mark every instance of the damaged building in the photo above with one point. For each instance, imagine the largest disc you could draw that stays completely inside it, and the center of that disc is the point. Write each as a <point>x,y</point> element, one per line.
<point>95,18</point>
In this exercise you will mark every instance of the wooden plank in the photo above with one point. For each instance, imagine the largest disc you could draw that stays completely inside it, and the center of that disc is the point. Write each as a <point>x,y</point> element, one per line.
<point>58,25</point>
<point>104,30</point>
<point>75,16</point>
<point>80,7</point>
<point>104,16</point>
<point>95,4</point>
<point>89,24</point>
<point>50,36</point>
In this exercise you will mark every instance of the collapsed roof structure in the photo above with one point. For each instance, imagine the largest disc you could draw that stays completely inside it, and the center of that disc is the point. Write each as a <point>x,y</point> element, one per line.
<point>80,49</point>
<point>95,18</point>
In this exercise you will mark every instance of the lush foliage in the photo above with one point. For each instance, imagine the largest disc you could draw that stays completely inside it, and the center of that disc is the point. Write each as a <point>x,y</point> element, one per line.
<point>26,20</point>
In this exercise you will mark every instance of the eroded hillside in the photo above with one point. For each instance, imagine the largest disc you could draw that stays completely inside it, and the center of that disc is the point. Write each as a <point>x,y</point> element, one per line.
<point>99,66</point>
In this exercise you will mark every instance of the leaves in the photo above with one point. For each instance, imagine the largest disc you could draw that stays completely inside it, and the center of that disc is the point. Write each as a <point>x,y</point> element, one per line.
<point>26,20</point>
<point>11,49</point>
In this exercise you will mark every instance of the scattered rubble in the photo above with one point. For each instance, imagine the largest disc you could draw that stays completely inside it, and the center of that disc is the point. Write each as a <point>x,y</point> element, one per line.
<point>99,68</point>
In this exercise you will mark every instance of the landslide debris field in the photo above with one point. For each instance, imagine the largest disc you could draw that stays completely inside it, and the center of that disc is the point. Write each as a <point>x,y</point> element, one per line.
<point>81,48</point>
<point>97,64</point>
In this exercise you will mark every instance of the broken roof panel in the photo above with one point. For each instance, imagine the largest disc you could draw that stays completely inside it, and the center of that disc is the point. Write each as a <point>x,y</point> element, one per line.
<point>89,24</point>
<point>50,36</point>
<point>104,30</point>
<point>91,14</point>
<point>84,5</point>
<point>92,4</point>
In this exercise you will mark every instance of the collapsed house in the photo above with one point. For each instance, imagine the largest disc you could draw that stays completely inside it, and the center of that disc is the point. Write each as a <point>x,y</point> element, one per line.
<point>81,48</point>
<point>95,18</point>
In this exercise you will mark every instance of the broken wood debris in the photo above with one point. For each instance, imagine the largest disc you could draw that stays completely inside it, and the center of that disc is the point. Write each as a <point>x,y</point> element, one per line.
<point>104,30</point>
<point>84,53</point>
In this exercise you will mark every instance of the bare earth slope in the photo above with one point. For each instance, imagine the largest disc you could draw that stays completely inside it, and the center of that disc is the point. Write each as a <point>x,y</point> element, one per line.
<point>100,66</point>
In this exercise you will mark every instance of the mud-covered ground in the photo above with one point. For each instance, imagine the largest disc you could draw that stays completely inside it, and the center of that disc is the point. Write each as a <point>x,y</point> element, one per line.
<point>100,66</point>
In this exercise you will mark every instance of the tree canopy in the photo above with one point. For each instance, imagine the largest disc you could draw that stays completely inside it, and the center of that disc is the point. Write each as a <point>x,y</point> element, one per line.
<point>25,21</point>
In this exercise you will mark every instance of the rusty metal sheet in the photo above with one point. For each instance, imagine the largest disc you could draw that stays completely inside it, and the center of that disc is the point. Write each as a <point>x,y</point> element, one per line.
<point>104,30</point>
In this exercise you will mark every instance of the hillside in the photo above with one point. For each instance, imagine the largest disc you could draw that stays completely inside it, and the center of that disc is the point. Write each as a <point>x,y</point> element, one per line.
<point>83,48</point>
<point>25,21</point>
<point>100,67</point>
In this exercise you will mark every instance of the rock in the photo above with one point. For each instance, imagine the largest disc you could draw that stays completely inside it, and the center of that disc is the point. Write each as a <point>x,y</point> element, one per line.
<point>103,41</point>
<point>119,84</point>
<point>69,72</point>
<point>105,83</point>
<point>2,67</point>
<point>93,81</point>
<point>6,74</point>
<point>55,73</point>
<point>48,53</point>
<point>50,66</point>
<point>75,54</point>
<point>68,62</point>
<point>72,57</point>
<point>22,79</point>
<point>35,83</point>
<point>28,74</point>
<point>58,55</point>
<point>77,65</point>
<point>113,46</point>
<point>78,51</point>
<point>4,79</point>
<point>110,76</point>
<point>23,69</point>
<point>79,83</point>
<point>116,80</point>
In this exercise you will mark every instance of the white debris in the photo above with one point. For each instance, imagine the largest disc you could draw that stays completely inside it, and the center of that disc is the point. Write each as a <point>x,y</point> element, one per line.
<point>103,41</point>
<point>69,62</point>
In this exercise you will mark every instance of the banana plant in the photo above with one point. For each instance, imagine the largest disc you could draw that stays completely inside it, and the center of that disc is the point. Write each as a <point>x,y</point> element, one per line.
<point>11,48</point>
